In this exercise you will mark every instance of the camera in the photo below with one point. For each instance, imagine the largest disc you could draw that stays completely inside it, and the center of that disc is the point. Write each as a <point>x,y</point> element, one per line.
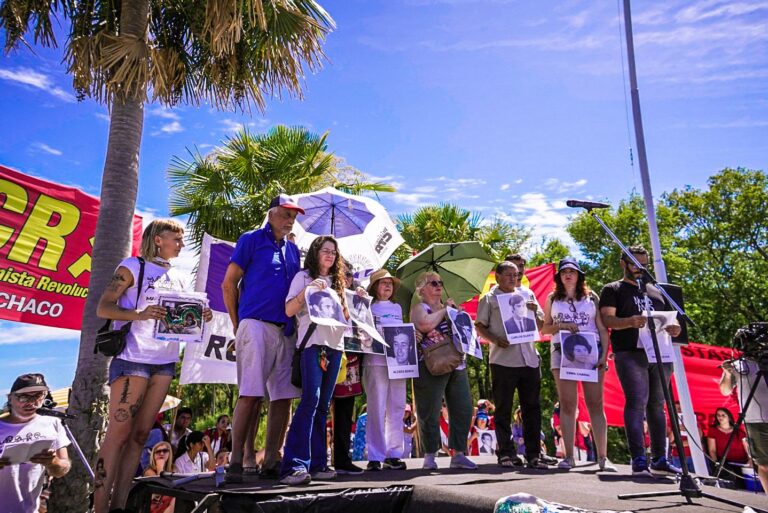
<point>752,341</point>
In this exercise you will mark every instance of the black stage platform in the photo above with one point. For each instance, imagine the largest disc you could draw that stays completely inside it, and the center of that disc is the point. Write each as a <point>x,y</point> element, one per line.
<point>442,491</point>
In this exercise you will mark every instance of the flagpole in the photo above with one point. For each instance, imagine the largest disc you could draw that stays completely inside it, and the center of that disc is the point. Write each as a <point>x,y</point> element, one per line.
<point>683,393</point>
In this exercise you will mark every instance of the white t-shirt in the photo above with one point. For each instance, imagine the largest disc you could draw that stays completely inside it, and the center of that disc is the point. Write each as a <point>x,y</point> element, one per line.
<point>581,313</point>
<point>185,465</point>
<point>330,336</point>
<point>140,345</point>
<point>746,372</point>
<point>384,313</point>
<point>21,484</point>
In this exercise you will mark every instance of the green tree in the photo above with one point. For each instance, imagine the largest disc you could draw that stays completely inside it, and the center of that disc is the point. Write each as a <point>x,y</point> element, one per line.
<point>227,191</point>
<point>552,250</point>
<point>230,54</point>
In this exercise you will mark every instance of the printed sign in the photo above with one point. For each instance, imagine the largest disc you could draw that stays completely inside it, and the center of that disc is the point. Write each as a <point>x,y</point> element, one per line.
<point>402,360</point>
<point>579,356</point>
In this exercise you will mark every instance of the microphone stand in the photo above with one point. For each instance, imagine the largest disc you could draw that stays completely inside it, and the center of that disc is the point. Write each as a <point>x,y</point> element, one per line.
<point>689,487</point>
<point>62,417</point>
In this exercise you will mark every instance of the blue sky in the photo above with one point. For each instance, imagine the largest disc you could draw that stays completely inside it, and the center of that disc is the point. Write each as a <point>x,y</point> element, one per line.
<point>503,107</point>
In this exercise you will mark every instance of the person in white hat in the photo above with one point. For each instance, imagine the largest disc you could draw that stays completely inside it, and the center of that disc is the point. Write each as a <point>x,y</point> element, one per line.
<point>386,397</point>
<point>22,483</point>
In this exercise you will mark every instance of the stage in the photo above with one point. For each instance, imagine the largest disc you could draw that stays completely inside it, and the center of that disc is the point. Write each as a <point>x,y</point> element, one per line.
<point>442,491</point>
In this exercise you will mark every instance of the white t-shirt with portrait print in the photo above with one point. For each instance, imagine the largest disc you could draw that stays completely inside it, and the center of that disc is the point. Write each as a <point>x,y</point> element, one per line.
<point>141,346</point>
<point>21,484</point>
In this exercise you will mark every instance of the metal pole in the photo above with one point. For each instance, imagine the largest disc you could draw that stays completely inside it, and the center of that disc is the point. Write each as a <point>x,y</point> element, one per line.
<point>683,394</point>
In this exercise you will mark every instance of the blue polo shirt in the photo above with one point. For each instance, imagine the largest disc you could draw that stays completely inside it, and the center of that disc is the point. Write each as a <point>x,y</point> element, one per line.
<point>269,268</point>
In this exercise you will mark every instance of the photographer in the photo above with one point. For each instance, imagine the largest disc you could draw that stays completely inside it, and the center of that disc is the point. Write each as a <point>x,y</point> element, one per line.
<point>22,483</point>
<point>741,375</point>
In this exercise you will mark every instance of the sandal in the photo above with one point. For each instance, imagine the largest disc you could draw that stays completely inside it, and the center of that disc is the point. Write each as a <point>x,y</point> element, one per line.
<point>506,462</point>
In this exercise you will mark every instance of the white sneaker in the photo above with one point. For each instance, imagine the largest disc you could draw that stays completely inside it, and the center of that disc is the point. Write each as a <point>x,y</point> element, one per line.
<point>566,464</point>
<point>297,477</point>
<point>461,461</point>
<point>605,465</point>
<point>429,462</point>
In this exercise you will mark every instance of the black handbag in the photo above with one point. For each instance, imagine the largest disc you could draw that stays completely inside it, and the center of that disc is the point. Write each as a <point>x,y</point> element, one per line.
<point>296,360</point>
<point>111,342</point>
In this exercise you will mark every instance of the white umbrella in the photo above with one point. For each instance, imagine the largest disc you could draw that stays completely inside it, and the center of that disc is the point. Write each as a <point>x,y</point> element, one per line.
<point>375,237</point>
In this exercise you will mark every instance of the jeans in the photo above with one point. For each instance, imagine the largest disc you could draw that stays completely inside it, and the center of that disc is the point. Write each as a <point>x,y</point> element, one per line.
<point>429,391</point>
<point>305,447</point>
<point>644,399</point>
<point>527,381</point>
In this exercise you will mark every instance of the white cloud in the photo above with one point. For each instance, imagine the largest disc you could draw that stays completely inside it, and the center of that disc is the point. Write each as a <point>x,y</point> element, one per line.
<point>411,199</point>
<point>164,113</point>
<point>187,259</point>
<point>555,184</point>
<point>37,80</point>
<point>172,128</point>
<point>102,116</point>
<point>717,9</point>
<point>42,147</point>
<point>542,214</point>
<point>504,186</point>
<point>17,334</point>
<point>30,362</point>
<point>231,126</point>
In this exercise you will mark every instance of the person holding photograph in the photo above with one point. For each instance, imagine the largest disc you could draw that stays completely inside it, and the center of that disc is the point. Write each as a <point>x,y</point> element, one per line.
<point>139,377</point>
<point>322,305</point>
<point>306,450</point>
<point>519,322</point>
<point>572,307</point>
<point>430,317</point>
<point>21,484</point>
<point>254,290</point>
<point>386,397</point>
<point>531,302</point>
<point>514,367</point>
<point>621,308</point>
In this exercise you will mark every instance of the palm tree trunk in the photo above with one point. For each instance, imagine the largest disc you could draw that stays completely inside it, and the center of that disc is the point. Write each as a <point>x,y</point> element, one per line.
<point>114,229</point>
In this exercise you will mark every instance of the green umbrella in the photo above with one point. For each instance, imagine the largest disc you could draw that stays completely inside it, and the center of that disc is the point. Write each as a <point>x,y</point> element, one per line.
<point>463,267</point>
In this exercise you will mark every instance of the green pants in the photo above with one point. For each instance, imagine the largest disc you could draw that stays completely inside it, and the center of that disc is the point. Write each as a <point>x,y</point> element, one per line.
<point>429,391</point>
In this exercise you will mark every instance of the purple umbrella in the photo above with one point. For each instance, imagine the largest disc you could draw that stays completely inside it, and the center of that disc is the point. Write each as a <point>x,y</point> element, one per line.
<point>327,213</point>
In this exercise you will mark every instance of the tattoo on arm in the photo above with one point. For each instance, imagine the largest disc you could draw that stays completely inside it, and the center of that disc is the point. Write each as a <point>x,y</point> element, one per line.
<point>116,283</point>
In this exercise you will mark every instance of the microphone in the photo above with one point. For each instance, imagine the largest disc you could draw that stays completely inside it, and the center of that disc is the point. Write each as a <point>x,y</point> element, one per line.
<point>589,205</point>
<point>53,413</point>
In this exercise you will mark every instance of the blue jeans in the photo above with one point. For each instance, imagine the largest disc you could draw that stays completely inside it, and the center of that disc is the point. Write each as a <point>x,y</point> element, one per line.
<point>305,447</point>
<point>644,399</point>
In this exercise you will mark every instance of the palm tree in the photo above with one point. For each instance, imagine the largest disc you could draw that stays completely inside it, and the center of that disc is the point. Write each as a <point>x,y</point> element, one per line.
<point>230,54</point>
<point>446,222</point>
<point>228,191</point>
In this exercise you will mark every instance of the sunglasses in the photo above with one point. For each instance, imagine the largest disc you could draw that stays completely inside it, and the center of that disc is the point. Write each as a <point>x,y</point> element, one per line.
<point>30,398</point>
<point>436,283</point>
<point>162,451</point>
<point>571,306</point>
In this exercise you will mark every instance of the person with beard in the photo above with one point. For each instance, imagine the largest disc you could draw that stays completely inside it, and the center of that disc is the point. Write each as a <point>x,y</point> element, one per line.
<point>621,309</point>
<point>22,483</point>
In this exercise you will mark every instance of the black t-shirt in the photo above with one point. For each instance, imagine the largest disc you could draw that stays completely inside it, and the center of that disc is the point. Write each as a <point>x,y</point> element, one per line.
<point>628,301</point>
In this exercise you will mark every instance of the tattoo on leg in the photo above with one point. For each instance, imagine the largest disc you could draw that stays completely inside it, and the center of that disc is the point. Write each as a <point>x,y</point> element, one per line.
<point>124,393</point>
<point>134,408</point>
<point>121,415</point>
<point>101,474</point>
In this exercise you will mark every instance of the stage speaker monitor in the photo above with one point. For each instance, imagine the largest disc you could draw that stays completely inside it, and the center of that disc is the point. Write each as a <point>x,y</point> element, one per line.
<point>676,293</point>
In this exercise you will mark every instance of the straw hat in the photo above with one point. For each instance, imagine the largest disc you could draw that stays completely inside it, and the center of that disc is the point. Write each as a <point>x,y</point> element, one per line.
<point>382,274</point>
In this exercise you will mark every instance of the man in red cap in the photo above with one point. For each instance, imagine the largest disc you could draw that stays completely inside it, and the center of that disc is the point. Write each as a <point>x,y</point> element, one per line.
<point>22,482</point>
<point>254,289</point>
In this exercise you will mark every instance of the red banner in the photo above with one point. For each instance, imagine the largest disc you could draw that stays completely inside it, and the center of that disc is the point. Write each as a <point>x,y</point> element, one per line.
<point>701,369</point>
<point>46,239</point>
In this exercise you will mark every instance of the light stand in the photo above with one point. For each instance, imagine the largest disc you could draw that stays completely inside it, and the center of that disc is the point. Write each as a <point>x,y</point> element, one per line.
<point>63,417</point>
<point>689,488</point>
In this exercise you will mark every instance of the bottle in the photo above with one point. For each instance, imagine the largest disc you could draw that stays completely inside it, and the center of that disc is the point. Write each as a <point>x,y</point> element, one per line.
<point>219,476</point>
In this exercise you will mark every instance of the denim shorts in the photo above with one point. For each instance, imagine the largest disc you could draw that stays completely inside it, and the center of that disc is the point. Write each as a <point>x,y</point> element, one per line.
<point>120,368</point>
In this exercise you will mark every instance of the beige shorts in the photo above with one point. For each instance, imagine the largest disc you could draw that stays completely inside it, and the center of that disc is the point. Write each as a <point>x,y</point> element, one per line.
<point>264,361</point>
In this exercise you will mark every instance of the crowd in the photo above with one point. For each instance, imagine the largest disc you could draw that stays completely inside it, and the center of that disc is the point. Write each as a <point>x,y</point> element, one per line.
<point>264,293</point>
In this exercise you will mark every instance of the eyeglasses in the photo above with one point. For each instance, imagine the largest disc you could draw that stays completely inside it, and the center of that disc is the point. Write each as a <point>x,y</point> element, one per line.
<point>349,275</point>
<point>30,398</point>
<point>162,451</point>
<point>436,283</point>
<point>331,252</point>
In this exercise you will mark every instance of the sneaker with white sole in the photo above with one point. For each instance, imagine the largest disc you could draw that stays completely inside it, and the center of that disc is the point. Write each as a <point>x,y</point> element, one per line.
<point>429,462</point>
<point>297,477</point>
<point>566,464</point>
<point>461,461</point>
<point>640,467</point>
<point>605,465</point>
<point>663,466</point>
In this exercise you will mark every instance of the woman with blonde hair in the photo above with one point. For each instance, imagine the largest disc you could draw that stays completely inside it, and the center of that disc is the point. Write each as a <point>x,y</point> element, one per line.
<point>139,376</point>
<point>430,317</point>
<point>160,460</point>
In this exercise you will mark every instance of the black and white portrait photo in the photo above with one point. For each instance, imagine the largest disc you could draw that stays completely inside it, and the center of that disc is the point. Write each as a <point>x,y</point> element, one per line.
<point>519,321</point>
<point>486,441</point>
<point>579,356</point>
<point>362,336</point>
<point>402,360</point>
<point>661,320</point>
<point>464,334</point>
<point>325,307</point>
